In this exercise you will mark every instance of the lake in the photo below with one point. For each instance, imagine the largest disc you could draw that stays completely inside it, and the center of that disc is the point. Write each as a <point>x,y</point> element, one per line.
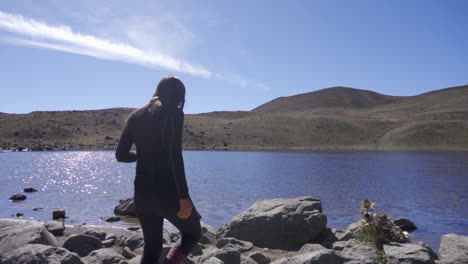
<point>428,187</point>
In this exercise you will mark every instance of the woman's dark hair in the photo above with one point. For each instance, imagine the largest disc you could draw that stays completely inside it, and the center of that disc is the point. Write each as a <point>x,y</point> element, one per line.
<point>170,93</point>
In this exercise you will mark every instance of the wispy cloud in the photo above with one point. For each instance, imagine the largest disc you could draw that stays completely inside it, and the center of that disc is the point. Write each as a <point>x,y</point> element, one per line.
<point>60,37</point>
<point>242,82</point>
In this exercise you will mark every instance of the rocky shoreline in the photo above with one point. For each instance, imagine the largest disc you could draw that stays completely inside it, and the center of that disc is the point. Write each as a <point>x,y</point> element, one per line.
<point>45,148</point>
<point>277,231</point>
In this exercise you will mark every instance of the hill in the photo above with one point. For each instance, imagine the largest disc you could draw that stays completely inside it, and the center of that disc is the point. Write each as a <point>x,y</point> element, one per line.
<point>343,97</point>
<point>331,118</point>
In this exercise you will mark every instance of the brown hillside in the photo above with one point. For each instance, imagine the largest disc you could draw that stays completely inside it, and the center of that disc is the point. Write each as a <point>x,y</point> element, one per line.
<point>343,97</point>
<point>332,118</point>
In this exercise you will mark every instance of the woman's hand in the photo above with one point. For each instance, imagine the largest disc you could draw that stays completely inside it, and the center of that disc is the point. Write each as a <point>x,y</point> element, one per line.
<point>185,208</point>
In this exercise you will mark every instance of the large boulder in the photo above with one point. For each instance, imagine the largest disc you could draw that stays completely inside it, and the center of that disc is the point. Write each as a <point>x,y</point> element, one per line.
<point>82,244</point>
<point>397,253</point>
<point>126,207</point>
<point>454,249</point>
<point>278,223</point>
<point>40,254</point>
<point>15,234</point>
<point>325,256</point>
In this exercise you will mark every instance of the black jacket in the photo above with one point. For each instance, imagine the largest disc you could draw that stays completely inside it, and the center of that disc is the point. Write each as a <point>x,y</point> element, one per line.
<point>158,140</point>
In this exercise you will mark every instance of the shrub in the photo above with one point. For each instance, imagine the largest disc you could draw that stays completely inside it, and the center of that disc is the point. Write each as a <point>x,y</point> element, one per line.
<point>378,228</point>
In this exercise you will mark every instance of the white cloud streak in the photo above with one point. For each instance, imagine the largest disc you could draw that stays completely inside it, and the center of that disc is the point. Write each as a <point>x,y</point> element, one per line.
<point>242,82</point>
<point>30,32</point>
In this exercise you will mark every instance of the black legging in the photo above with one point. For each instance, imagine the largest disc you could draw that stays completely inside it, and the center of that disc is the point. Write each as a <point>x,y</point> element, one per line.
<point>152,224</point>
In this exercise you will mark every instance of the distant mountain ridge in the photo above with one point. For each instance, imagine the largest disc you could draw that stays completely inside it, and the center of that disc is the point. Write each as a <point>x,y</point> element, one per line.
<point>330,118</point>
<point>328,97</point>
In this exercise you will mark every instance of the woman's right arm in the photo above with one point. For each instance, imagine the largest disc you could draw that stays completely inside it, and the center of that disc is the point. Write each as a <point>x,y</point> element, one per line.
<point>123,153</point>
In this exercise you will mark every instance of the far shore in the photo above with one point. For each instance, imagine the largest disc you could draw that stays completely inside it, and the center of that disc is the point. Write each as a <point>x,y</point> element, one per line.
<point>252,149</point>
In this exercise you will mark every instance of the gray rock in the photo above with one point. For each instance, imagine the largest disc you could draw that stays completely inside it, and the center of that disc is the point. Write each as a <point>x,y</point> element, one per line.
<point>239,245</point>
<point>18,197</point>
<point>227,255</point>
<point>328,237</point>
<point>325,256</point>
<point>278,223</point>
<point>352,231</point>
<point>247,260</point>
<point>454,249</point>
<point>259,258</point>
<point>405,224</point>
<point>15,234</point>
<point>82,244</point>
<point>356,251</point>
<point>113,219</point>
<point>97,234</point>
<point>29,190</point>
<point>40,254</point>
<point>57,214</point>
<point>173,236</point>
<point>133,242</point>
<point>311,247</point>
<point>103,256</point>
<point>339,245</point>
<point>431,252</point>
<point>126,207</point>
<point>166,237</point>
<point>110,236</point>
<point>213,260</point>
<point>136,260</point>
<point>108,243</point>
<point>55,227</point>
<point>197,249</point>
<point>127,253</point>
<point>208,234</point>
<point>397,253</point>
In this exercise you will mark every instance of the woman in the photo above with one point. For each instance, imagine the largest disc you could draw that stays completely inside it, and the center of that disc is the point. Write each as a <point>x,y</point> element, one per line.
<point>160,186</point>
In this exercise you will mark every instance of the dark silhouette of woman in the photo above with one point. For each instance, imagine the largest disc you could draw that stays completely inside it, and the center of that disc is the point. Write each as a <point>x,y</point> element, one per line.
<point>160,186</point>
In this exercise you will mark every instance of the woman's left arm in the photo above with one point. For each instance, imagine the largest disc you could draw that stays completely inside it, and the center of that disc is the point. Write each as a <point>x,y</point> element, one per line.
<point>123,153</point>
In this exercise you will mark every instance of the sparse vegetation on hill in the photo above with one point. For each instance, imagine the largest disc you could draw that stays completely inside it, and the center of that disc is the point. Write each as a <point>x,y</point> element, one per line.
<point>332,118</point>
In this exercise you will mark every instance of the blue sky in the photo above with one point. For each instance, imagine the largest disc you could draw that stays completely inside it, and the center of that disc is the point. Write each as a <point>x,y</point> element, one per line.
<point>231,55</point>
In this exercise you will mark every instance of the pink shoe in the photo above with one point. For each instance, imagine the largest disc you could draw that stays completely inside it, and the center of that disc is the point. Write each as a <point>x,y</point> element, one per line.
<point>174,257</point>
